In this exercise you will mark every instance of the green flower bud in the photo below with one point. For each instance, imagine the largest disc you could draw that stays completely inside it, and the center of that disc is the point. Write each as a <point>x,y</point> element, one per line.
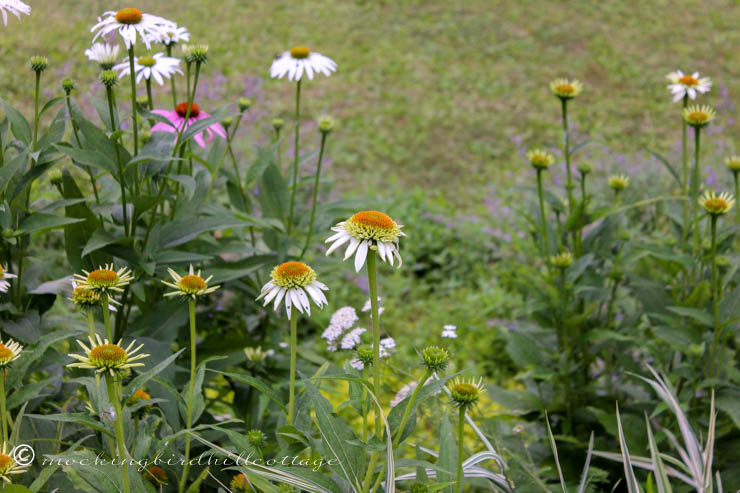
<point>244,104</point>
<point>562,260</point>
<point>55,176</point>
<point>226,122</point>
<point>277,124</point>
<point>326,124</point>
<point>195,53</point>
<point>465,393</point>
<point>364,353</point>
<point>256,438</point>
<point>419,487</point>
<point>435,358</point>
<point>68,85</point>
<point>109,78</point>
<point>584,168</point>
<point>39,63</point>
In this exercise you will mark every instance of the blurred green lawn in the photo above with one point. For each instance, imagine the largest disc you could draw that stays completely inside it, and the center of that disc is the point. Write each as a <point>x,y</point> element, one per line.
<point>434,94</point>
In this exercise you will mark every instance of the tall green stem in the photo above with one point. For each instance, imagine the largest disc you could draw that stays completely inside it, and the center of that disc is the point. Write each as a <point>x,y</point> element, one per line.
<point>121,177</point>
<point>315,193</point>
<point>134,118</point>
<point>409,406</point>
<point>685,169</point>
<point>566,151</point>
<point>295,154</point>
<point>106,318</point>
<point>372,279</point>
<point>114,398</point>
<point>737,195</point>
<point>149,97</point>
<point>168,47</point>
<point>191,391</point>
<point>36,112</point>
<point>365,410</point>
<point>695,190</point>
<point>543,217</point>
<point>460,444</point>
<point>91,330</point>
<point>3,409</point>
<point>716,339</point>
<point>293,357</point>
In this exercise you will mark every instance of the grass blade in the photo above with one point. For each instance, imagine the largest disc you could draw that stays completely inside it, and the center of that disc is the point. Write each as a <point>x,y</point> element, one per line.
<point>629,474</point>
<point>555,454</point>
<point>661,477</point>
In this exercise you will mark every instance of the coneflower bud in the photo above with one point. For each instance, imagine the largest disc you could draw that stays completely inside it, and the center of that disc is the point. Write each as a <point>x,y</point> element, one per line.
<point>256,438</point>
<point>364,353</point>
<point>584,168</point>
<point>145,136</point>
<point>197,53</point>
<point>244,104</point>
<point>618,182</point>
<point>39,63</point>
<point>733,163</point>
<point>435,358</point>
<point>326,124</point>
<point>109,78</point>
<point>68,85</point>
<point>562,260</point>
<point>465,393</point>
<point>277,124</point>
<point>226,122</point>
<point>540,159</point>
<point>142,101</point>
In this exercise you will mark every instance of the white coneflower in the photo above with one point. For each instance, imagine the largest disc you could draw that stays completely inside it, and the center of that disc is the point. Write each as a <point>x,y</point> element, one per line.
<point>104,54</point>
<point>9,352</point>
<point>8,466</point>
<point>4,275</point>
<point>364,231</point>
<point>89,299</point>
<point>105,280</point>
<point>295,282</point>
<point>176,35</point>
<point>352,338</point>
<point>299,60</point>
<point>449,331</point>
<point>159,67</point>
<point>682,85</point>
<point>104,357</point>
<point>191,285</point>
<point>717,205</point>
<point>15,7</point>
<point>130,22</point>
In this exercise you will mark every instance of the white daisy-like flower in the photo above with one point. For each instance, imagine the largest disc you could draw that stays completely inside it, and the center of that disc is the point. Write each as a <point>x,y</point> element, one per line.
<point>684,84</point>
<point>295,282</point>
<point>159,66</point>
<point>299,60</point>
<point>449,331</point>
<point>86,298</point>
<point>15,7</point>
<point>104,54</point>
<point>4,275</point>
<point>364,231</point>
<point>352,338</point>
<point>8,466</point>
<point>9,352</point>
<point>131,21</point>
<point>191,285</point>
<point>176,35</point>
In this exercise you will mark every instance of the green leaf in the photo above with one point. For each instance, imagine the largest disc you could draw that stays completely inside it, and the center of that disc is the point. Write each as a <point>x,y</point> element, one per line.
<point>696,314</point>
<point>18,124</point>
<point>88,157</point>
<point>257,384</point>
<point>447,462</point>
<point>43,222</point>
<point>98,240</point>
<point>336,436</point>
<point>82,419</point>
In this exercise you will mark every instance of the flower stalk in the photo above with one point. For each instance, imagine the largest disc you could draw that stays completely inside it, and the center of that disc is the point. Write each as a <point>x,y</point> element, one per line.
<point>685,168</point>
<point>410,405</point>
<point>460,445</point>
<point>315,193</point>
<point>372,278</point>
<point>191,392</point>
<point>112,386</point>
<point>295,154</point>
<point>293,358</point>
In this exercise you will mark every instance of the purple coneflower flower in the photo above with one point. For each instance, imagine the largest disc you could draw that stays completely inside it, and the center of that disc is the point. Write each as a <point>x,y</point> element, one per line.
<point>176,121</point>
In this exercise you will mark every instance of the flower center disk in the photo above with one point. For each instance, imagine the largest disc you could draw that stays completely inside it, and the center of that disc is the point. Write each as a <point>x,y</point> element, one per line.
<point>5,353</point>
<point>373,225</point>
<point>192,284</point>
<point>182,110</point>
<point>687,80</point>
<point>147,61</point>
<point>300,52</point>
<point>293,274</point>
<point>102,278</point>
<point>129,15</point>
<point>6,462</point>
<point>107,355</point>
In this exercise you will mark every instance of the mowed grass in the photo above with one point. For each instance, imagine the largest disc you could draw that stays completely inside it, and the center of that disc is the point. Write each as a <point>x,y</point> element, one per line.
<point>432,94</point>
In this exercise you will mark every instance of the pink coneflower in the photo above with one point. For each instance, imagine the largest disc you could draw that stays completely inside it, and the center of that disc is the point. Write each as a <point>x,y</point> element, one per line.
<point>176,121</point>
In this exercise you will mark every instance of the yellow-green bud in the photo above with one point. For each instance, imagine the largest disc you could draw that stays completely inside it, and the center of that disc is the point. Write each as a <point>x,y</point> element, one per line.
<point>435,358</point>
<point>109,78</point>
<point>244,104</point>
<point>326,124</point>
<point>68,85</point>
<point>277,124</point>
<point>39,63</point>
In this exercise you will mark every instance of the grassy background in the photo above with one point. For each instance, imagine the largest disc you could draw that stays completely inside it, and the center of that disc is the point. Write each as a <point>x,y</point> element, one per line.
<point>434,94</point>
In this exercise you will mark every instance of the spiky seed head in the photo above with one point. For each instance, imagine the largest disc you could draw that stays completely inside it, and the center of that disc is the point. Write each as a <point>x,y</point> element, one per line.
<point>256,438</point>
<point>109,78</point>
<point>364,353</point>
<point>39,63</point>
<point>562,260</point>
<point>435,358</point>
